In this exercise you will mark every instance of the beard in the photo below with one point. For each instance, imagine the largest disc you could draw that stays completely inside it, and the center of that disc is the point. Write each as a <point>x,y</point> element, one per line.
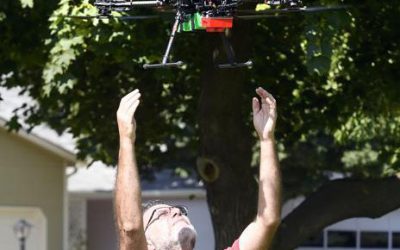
<point>184,239</point>
<point>187,238</point>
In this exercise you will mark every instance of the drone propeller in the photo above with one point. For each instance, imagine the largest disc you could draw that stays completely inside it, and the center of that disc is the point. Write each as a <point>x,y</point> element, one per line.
<point>321,9</point>
<point>127,4</point>
<point>276,12</point>
<point>142,17</point>
<point>251,17</point>
<point>106,7</point>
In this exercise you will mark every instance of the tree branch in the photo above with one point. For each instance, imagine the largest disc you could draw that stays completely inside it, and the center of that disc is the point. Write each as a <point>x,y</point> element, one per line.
<point>335,201</point>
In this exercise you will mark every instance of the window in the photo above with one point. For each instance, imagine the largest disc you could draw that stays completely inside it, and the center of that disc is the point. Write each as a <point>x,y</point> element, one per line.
<point>342,239</point>
<point>374,240</point>
<point>396,240</point>
<point>314,241</point>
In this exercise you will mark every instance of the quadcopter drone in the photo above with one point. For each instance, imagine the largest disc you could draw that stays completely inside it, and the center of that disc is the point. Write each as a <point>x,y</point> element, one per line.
<point>204,15</point>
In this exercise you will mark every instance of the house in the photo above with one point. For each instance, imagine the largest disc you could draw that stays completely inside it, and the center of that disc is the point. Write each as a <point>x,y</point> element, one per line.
<point>33,181</point>
<point>33,188</point>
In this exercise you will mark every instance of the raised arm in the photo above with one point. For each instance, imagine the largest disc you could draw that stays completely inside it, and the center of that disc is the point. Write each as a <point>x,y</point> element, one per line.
<point>127,187</point>
<point>259,234</point>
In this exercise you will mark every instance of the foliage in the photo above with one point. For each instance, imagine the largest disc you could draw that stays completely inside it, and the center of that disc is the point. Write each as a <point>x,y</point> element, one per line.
<point>91,64</point>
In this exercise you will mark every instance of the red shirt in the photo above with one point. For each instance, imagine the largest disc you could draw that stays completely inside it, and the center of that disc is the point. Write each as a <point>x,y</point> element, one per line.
<point>235,246</point>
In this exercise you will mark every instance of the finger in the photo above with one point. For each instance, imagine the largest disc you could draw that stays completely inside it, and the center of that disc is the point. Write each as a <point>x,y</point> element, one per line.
<point>261,92</point>
<point>128,102</point>
<point>270,101</point>
<point>129,95</point>
<point>133,97</point>
<point>130,111</point>
<point>266,97</point>
<point>255,105</point>
<point>133,107</point>
<point>264,94</point>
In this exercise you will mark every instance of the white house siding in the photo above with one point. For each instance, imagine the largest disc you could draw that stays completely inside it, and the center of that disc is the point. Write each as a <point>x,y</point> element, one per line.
<point>9,216</point>
<point>32,177</point>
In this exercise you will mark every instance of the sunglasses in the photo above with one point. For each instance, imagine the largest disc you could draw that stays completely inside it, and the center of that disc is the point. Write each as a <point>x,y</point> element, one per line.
<point>163,211</point>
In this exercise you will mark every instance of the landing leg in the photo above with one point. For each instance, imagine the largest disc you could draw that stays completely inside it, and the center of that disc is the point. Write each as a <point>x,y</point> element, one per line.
<point>164,63</point>
<point>230,53</point>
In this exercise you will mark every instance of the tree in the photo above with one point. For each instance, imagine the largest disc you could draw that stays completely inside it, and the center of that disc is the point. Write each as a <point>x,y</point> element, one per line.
<point>334,76</point>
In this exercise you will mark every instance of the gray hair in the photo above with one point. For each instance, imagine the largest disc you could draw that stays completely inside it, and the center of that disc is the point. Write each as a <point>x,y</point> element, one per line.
<point>146,206</point>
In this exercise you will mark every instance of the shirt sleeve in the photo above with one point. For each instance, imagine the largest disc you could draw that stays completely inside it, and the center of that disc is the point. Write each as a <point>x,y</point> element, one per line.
<point>235,246</point>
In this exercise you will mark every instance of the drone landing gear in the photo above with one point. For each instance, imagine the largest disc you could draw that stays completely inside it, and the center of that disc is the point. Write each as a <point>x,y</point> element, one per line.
<point>210,26</point>
<point>230,53</point>
<point>164,63</point>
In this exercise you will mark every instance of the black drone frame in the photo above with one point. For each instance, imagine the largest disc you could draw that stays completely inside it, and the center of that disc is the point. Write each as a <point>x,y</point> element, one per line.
<point>184,7</point>
<point>227,46</point>
<point>106,6</point>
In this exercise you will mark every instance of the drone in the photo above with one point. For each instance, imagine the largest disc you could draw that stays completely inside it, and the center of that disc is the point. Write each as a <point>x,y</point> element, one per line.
<point>214,16</point>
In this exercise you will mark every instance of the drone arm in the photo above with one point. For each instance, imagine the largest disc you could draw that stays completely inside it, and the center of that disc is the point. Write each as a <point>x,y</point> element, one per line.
<point>146,3</point>
<point>128,4</point>
<point>171,38</point>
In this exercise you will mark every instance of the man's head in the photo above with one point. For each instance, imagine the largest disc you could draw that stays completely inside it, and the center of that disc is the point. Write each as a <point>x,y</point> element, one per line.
<point>168,227</point>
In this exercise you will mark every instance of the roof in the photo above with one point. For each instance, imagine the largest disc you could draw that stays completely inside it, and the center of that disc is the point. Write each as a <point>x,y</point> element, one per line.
<point>101,178</point>
<point>42,136</point>
<point>42,143</point>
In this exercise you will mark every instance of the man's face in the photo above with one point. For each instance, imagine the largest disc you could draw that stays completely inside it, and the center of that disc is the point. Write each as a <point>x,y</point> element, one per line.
<point>167,225</point>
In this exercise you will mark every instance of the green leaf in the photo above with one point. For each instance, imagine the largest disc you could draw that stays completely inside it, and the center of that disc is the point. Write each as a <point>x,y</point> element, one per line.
<point>26,3</point>
<point>3,16</point>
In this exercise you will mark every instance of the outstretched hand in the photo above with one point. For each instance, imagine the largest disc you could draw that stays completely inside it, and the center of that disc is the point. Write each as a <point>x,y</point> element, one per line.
<point>125,115</point>
<point>264,114</point>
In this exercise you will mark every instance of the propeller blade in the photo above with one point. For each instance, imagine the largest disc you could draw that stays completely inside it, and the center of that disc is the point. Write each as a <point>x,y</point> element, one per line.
<point>138,17</point>
<point>143,17</point>
<point>295,10</point>
<point>251,17</point>
<point>327,8</point>
<point>84,17</point>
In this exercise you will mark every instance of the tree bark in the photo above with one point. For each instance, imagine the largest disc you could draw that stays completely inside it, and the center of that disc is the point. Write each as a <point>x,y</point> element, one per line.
<point>226,148</point>
<point>224,165</point>
<point>335,201</point>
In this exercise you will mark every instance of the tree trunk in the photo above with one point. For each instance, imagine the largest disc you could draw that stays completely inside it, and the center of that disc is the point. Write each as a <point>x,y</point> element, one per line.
<point>224,165</point>
<point>226,148</point>
<point>335,201</point>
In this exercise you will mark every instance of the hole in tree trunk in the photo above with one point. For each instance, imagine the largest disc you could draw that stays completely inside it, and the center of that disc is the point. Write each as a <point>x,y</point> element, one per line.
<point>208,169</point>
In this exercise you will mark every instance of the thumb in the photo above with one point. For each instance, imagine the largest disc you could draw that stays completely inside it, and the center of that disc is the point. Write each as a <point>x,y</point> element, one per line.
<point>256,105</point>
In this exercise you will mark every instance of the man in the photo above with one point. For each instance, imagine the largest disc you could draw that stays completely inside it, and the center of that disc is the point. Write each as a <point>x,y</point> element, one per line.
<point>166,227</point>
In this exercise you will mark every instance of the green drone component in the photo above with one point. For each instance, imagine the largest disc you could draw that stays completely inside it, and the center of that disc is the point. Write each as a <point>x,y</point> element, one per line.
<point>187,25</point>
<point>192,22</point>
<point>197,21</point>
